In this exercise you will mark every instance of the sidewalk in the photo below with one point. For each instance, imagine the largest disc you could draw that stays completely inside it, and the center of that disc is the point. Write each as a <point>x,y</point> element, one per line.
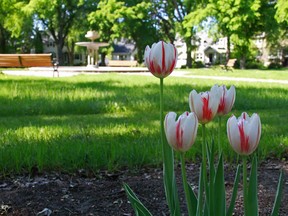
<point>133,71</point>
<point>238,79</point>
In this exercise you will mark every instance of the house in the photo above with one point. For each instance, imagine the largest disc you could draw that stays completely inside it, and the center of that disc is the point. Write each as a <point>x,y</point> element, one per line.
<point>211,52</point>
<point>123,50</point>
<point>207,51</point>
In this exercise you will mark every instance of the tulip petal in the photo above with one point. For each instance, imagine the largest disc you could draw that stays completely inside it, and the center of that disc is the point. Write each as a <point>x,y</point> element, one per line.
<point>230,99</point>
<point>233,134</point>
<point>190,131</point>
<point>196,104</point>
<point>254,131</point>
<point>170,128</point>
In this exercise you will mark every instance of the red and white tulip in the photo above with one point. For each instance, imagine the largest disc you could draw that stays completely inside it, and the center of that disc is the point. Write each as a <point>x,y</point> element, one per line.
<point>244,133</point>
<point>181,134</point>
<point>205,104</point>
<point>227,100</point>
<point>161,59</point>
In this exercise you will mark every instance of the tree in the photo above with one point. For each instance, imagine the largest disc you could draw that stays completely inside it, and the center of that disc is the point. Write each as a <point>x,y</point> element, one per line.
<point>238,20</point>
<point>58,17</point>
<point>15,26</point>
<point>173,16</point>
<point>125,19</point>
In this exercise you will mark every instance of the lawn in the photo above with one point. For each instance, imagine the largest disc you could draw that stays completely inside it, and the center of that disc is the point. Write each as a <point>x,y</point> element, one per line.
<point>110,121</point>
<point>259,74</point>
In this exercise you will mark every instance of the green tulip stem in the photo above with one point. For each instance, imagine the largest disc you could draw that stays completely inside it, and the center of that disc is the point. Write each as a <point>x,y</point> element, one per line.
<point>204,159</point>
<point>185,184</point>
<point>168,164</point>
<point>245,185</point>
<point>219,136</point>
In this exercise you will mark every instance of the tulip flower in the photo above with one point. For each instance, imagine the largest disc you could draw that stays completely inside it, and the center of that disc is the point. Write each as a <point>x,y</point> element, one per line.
<point>244,133</point>
<point>205,104</point>
<point>181,134</point>
<point>161,59</point>
<point>227,100</point>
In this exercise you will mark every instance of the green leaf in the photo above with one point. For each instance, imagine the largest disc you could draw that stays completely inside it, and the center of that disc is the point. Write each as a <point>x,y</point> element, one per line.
<point>194,200</point>
<point>278,196</point>
<point>234,192</point>
<point>252,190</point>
<point>199,211</point>
<point>139,208</point>
<point>219,190</point>
<point>210,195</point>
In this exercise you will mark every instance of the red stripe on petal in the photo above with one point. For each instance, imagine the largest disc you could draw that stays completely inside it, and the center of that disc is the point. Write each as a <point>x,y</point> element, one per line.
<point>179,134</point>
<point>244,141</point>
<point>163,58</point>
<point>207,112</point>
<point>221,107</point>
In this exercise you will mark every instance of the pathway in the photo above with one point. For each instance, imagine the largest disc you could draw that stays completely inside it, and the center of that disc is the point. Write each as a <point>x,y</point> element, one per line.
<point>72,71</point>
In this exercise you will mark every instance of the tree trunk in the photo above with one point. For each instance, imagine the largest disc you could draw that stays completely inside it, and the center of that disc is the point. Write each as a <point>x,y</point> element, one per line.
<point>60,56</point>
<point>242,62</point>
<point>103,56</point>
<point>189,52</point>
<point>228,53</point>
<point>2,41</point>
<point>70,50</point>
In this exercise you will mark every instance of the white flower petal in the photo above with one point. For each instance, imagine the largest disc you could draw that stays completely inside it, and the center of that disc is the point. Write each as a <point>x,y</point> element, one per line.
<point>170,128</point>
<point>233,134</point>
<point>196,104</point>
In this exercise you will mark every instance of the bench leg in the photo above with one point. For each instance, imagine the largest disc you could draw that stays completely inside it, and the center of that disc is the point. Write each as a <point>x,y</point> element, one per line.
<point>55,71</point>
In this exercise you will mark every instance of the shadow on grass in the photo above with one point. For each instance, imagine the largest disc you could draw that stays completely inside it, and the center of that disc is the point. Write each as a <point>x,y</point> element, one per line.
<point>103,122</point>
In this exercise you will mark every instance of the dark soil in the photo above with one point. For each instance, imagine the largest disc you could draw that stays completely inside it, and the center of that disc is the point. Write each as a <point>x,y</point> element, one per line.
<point>103,194</point>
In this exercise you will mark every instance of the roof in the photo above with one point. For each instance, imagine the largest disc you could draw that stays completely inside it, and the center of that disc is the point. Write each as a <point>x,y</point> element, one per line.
<point>123,48</point>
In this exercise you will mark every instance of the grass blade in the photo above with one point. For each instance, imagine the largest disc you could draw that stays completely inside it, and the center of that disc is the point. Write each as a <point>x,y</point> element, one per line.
<point>139,208</point>
<point>234,192</point>
<point>278,196</point>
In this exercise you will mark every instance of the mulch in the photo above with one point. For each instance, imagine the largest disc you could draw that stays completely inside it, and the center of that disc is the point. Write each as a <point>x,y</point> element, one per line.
<point>86,193</point>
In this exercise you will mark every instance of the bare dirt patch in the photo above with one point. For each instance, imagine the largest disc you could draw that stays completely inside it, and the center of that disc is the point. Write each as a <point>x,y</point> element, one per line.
<point>102,194</point>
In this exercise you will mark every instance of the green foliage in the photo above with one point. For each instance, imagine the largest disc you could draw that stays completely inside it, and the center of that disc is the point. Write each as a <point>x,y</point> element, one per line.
<point>139,208</point>
<point>121,19</point>
<point>282,11</point>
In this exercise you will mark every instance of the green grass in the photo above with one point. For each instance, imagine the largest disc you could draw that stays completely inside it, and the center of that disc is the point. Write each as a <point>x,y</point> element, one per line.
<point>110,121</point>
<point>281,74</point>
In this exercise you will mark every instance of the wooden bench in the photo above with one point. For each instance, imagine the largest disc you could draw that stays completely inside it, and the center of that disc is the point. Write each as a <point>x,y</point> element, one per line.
<point>230,64</point>
<point>29,60</point>
<point>122,63</point>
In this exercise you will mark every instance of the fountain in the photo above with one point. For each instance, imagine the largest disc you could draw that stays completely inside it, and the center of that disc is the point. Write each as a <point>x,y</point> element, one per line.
<point>92,47</point>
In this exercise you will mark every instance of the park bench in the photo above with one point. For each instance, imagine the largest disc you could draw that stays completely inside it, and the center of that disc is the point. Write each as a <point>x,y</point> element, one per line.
<point>230,64</point>
<point>122,63</point>
<point>29,60</point>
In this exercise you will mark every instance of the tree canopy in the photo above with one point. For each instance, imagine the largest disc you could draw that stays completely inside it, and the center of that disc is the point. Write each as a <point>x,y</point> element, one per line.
<point>142,22</point>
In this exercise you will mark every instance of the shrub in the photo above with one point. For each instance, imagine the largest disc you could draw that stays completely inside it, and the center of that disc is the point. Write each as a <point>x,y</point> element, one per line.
<point>198,64</point>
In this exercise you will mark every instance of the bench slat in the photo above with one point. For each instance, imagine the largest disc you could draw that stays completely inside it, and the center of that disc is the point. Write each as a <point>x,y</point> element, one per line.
<point>9,61</point>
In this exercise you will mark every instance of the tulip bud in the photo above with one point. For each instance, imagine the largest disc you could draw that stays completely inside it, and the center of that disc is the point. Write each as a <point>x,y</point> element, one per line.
<point>205,104</point>
<point>160,59</point>
<point>181,134</point>
<point>244,133</point>
<point>227,100</point>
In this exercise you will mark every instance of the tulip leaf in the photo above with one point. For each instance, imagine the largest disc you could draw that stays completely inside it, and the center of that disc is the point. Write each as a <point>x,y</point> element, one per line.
<point>193,199</point>
<point>252,190</point>
<point>234,192</point>
<point>210,194</point>
<point>219,190</point>
<point>199,211</point>
<point>278,196</point>
<point>139,208</point>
